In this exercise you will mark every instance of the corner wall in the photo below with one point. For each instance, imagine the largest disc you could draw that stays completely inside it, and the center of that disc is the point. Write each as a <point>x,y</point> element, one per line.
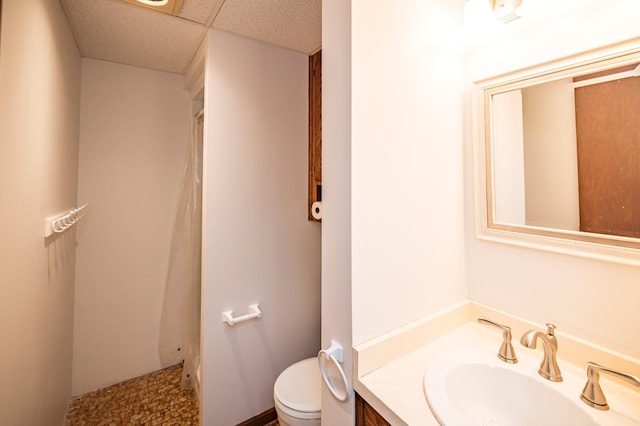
<point>134,132</point>
<point>407,177</point>
<point>39,120</point>
<point>336,200</point>
<point>259,246</point>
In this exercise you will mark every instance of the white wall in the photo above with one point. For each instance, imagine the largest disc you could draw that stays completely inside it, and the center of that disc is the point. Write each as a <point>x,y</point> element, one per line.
<point>393,235</point>
<point>134,131</point>
<point>258,245</point>
<point>594,300</point>
<point>39,118</point>
<point>407,177</point>
<point>336,198</point>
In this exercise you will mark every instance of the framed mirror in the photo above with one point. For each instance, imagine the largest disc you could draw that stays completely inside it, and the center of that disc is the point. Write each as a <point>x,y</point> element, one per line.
<point>557,155</point>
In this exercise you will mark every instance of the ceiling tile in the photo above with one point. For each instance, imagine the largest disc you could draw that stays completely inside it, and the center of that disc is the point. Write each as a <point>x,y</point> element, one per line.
<point>123,33</point>
<point>296,24</point>
<point>200,10</point>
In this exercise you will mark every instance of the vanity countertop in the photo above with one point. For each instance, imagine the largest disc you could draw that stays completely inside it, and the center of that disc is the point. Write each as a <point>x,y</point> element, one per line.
<point>395,390</point>
<point>394,387</point>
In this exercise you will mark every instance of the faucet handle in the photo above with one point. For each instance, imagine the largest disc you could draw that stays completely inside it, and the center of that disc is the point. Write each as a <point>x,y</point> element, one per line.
<point>592,394</point>
<point>551,329</point>
<point>551,334</point>
<point>506,352</point>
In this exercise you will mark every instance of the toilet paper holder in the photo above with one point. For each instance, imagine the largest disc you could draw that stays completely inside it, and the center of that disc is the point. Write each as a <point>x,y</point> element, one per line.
<point>335,354</point>
<point>316,210</point>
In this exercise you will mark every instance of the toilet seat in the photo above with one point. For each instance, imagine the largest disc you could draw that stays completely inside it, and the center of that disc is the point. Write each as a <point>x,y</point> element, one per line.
<point>300,415</point>
<point>297,390</point>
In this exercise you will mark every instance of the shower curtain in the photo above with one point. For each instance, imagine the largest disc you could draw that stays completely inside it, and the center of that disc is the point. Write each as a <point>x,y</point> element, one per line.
<point>180,321</point>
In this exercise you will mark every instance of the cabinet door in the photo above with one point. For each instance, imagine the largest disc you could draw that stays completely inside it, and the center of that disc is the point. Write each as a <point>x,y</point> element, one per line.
<point>366,415</point>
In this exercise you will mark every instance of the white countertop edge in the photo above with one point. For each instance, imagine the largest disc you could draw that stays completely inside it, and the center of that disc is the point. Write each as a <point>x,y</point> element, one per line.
<point>378,405</point>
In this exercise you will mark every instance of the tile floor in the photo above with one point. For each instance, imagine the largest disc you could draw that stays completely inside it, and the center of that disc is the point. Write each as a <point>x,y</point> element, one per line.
<point>154,399</point>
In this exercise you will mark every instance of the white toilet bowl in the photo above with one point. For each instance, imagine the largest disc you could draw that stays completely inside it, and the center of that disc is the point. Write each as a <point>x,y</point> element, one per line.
<point>296,394</point>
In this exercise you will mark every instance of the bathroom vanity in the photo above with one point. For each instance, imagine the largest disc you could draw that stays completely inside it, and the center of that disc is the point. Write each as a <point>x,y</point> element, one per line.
<point>514,73</point>
<point>391,369</point>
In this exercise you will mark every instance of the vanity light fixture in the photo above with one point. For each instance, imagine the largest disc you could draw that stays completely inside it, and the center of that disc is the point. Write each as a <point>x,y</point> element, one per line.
<point>505,10</point>
<point>482,15</point>
<point>171,7</point>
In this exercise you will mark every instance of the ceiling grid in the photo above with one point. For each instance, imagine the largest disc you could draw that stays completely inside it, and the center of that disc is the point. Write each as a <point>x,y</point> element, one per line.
<point>121,32</point>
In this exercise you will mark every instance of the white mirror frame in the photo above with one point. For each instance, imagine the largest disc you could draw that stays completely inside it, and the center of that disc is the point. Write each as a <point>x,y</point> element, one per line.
<point>595,246</point>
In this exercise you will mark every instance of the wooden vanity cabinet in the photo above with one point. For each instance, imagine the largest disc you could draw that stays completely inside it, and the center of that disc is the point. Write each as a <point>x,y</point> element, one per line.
<point>366,415</point>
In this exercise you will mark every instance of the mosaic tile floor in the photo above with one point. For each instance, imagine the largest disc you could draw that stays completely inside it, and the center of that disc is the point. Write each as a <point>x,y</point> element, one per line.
<point>154,399</point>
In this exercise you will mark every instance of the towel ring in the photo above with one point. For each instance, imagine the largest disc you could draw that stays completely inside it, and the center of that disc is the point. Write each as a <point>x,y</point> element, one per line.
<point>334,354</point>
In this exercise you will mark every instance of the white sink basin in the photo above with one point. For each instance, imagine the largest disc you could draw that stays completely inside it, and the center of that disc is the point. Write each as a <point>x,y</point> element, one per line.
<point>471,386</point>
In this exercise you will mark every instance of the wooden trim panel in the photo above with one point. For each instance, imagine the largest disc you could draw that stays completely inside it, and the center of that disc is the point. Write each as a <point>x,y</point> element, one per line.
<point>315,131</point>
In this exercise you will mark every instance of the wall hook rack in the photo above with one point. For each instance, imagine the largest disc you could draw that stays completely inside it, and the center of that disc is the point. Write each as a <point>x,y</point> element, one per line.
<point>60,223</point>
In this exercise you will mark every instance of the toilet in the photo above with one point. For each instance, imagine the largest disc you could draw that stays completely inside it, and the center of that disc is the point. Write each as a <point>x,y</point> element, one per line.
<point>296,394</point>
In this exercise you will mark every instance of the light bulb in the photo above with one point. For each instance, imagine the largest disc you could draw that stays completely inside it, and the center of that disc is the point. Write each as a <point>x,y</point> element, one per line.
<point>156,3</point>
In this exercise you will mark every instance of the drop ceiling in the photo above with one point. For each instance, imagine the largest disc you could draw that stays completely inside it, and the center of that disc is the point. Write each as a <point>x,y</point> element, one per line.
<point>117,31</point>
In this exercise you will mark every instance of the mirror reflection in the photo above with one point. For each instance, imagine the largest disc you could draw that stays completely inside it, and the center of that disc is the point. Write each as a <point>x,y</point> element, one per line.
<point>565,153</point>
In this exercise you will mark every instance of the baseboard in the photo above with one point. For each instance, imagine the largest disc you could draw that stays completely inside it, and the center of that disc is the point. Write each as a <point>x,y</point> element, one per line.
<point>261,419</point>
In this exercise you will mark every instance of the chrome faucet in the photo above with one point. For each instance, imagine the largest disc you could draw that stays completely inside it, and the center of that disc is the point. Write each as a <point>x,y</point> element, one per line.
<point>549,367</point>
<point>506,352</point>
<point>592,394</point>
